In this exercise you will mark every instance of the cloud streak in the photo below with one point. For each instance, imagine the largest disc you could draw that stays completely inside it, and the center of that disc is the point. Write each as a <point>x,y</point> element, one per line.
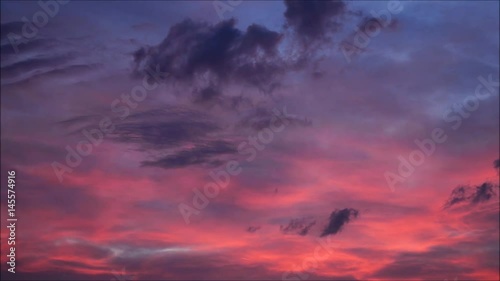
<point>471,194</point>
<point>299,226</point>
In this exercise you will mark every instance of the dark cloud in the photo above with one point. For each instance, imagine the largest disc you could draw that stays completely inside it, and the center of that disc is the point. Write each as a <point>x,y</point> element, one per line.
<point>259,37</point>
<point>208,57</point>
<point>166,127</point>
<point>338,219</point>
<point>484,192</point>
<point>314,19</point>
<point>471,194</point>
<point>253,229</point>
<point>205,153</point>
<point>172,136</point>
<point>221,52</point>
<point>300,226</point>
<point>261,117</point>
<point>212,95</point>
<point>458,195</point>
<point>157,134</point>
<point>496,164</point>
<point>177,137</point>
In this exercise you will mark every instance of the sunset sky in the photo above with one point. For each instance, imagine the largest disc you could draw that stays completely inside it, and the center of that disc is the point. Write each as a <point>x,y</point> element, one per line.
<point>283,140</point>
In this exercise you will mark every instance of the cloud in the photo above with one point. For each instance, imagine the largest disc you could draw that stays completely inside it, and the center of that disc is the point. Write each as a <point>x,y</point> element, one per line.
<point>44,58</point>
<point>173,136</point>
<point>472,194</point>
<point>253,229</point>
<point>496,164</point>
<point>338,219</point>
<point>363,114</point>
<point>484,192</point>
<point>158,134</point>
<point>313,20</point>
<point>160,128</point>
<point>176,136</point>
<point>261,117</point>
<point>32,64</point>
<point>202,153</point>
<point>458,195</point>
<point>201,54</point>
<point>222,53</point>
<point>300,226</point>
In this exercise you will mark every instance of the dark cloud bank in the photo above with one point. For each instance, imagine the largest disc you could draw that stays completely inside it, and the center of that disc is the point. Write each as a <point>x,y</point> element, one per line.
<point>336,222</point>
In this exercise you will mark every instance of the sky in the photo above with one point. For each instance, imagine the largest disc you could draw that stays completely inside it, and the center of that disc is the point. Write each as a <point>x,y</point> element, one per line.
<point>283,140</point>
